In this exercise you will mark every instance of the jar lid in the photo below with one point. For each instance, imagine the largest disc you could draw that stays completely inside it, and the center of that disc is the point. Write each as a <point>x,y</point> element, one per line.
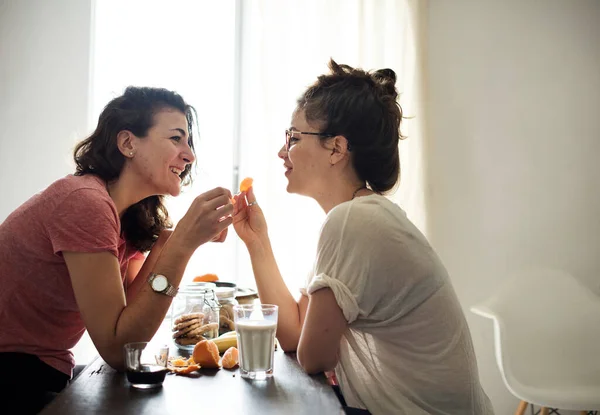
<point>225,292</point>
<point>198,287</point>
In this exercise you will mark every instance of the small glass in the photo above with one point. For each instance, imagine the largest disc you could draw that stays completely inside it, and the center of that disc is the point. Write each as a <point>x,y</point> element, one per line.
<point>145,364</point>
<point>256,325</point>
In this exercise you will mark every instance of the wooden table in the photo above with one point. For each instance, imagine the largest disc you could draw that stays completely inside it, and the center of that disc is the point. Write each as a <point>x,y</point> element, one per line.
<point>99,389</point>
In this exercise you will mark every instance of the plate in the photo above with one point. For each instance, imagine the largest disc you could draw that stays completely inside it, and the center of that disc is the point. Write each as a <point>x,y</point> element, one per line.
<point>225,284</point>
<point>245,292</point>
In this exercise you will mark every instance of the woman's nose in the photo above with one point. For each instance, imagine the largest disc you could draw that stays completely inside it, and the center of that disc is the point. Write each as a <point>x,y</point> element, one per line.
<point>188,156</point>
<point>282,153</point>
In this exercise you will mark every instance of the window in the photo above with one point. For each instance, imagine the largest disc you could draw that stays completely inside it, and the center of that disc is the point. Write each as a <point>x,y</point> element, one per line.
<point>242,65</point>
<point>188,47</point>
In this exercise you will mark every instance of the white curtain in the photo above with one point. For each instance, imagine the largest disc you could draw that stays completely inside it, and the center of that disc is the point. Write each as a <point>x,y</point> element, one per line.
<point>285,46</point>
<point>189,47</point>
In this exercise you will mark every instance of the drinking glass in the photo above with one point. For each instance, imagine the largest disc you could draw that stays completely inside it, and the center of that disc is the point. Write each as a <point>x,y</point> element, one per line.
<point>255,325</point>
<point>145,364</point>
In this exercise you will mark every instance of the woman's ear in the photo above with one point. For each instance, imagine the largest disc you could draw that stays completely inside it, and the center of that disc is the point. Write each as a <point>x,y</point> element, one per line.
<point>125,143</point>
<point>339,149</point>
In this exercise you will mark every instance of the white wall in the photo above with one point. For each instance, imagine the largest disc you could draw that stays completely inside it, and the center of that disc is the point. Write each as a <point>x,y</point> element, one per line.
<point>44,72</point>
<point>514,140</point>
<point>44,84</point>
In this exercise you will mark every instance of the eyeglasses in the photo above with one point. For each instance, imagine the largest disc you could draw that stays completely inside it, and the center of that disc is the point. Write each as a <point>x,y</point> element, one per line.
<point>289,134</point>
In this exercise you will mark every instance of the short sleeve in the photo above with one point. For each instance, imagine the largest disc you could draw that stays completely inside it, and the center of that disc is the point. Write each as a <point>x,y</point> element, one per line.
<point>85,221</point>
<point>138,256</point>
<point>345,299</point>
<point>346,252</point>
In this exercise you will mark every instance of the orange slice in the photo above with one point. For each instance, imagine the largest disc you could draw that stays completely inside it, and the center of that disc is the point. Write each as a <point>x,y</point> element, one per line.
<point>206,354</point>
<point>179,362</point>
<point>246,184</point>
<point>230,358</point>
<point>185,370</point>
<point>206,278</point>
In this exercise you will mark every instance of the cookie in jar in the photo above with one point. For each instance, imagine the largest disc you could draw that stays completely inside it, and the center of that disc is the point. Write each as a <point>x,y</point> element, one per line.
<point>195,315</point>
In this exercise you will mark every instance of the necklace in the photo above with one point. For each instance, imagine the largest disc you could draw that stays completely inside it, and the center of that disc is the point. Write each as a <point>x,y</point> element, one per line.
<point>357,190</point>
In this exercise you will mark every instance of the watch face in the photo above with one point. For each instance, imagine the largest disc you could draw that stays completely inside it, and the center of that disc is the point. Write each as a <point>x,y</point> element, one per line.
<point>160,283</point>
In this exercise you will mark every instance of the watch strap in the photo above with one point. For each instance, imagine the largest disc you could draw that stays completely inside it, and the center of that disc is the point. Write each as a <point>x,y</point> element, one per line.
<point>171,291</point>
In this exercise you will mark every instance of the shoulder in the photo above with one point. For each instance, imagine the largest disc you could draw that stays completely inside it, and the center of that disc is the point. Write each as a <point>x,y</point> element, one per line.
<point>73,183</point>
<point>78,194</point>
<point>364,215</point>
<point>79,191</point>
<point>85,188</point>
<point>81,215</point>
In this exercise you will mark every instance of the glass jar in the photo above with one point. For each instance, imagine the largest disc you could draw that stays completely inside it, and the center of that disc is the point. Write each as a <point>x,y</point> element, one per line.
<point>226,298</point>
<point>195,314</point>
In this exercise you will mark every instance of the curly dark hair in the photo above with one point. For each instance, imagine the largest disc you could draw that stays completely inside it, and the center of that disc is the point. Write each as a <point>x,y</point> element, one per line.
<point>99,155</point>
<point>361,106</point>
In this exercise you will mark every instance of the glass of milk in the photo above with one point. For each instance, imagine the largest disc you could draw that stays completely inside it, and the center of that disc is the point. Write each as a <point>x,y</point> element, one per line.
<point>255,325</point>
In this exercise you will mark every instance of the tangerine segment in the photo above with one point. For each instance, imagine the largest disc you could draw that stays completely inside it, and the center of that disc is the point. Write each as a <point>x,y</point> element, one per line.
<point>206,354</point>
<point>185,370</point>
<point>206,278</point>
<point>246,184</point>
<point>179,362</point>
<point>230,358</point>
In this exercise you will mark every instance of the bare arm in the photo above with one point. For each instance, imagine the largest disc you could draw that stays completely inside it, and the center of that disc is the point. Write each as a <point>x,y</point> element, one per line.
<point>96,279</point>
<point>273,290</point>
<point>251,227</point>
<point>143,268</point>
<point>110,321</point>
<point>133,270</point>
<point>325,324</point>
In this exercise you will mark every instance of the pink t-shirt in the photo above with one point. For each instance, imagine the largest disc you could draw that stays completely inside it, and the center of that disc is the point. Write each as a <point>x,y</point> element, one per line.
<point>38,311</point>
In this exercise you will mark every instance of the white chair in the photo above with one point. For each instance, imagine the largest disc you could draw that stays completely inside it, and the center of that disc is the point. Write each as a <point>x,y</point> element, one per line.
<point>547,340</point>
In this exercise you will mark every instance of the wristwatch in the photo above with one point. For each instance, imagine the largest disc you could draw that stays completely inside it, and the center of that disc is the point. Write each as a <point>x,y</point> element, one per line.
<point>161,285</point>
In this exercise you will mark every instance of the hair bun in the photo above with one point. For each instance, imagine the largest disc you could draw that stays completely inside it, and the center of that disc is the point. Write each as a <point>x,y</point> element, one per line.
<point>385,79</point>
<point>385,76</point>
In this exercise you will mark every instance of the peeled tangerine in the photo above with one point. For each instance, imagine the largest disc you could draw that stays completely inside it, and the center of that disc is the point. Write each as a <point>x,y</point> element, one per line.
<point>206,354</point>
<point>230,358</point>
<point>246,184</point>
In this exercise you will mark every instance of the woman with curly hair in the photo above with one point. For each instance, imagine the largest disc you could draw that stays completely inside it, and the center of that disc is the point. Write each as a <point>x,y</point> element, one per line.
<point>71,257</point>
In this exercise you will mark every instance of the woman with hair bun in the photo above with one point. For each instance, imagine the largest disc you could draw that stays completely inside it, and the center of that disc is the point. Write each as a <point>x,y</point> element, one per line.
<point>378,306</point>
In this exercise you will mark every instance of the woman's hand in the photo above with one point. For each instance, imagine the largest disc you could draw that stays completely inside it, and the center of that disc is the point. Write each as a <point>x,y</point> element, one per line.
<point>248,218</point>
<point>206,220</point>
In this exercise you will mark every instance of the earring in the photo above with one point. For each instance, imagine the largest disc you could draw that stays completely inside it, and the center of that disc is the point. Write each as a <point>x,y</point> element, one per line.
<point>131,153</point>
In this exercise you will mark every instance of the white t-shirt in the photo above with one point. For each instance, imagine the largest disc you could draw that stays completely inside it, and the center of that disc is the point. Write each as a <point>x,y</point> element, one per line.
<point>408,348</point>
